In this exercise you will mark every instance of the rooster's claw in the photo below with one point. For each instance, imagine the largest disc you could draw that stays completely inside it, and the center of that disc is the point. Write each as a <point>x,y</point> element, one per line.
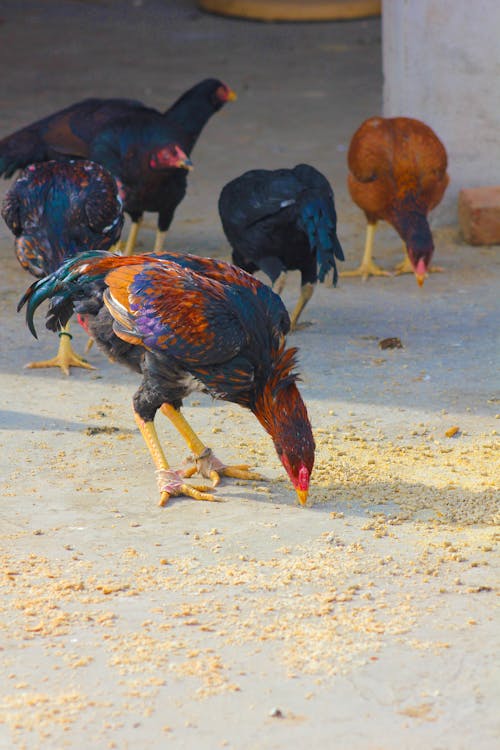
<point>171,484</point>
<point>209,466</point>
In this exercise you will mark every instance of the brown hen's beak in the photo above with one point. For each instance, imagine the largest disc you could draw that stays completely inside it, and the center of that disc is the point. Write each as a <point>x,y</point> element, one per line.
<point>420,270</point>
<point>302,495</point>
<point>420,277</point>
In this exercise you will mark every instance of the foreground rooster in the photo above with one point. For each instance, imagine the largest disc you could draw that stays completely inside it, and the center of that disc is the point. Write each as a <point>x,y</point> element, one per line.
<point>397,173</point>
<point>147,151</point>
<point>283,220</point>
<point>189,323</point>
<point>55,210</point>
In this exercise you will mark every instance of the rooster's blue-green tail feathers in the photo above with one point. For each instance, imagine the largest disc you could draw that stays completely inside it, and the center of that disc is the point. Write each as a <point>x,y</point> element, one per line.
<point>64,284</point>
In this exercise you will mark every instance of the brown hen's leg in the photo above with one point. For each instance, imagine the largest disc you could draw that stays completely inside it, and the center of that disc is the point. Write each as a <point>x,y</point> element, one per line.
<point>159,241</point>
<point>170,482</point>
<point>205,462</point>
<point>132,237</point>
<point>367,267</point>
<point>405,266</point>
<point>65,358</point>
<point>306,292</point>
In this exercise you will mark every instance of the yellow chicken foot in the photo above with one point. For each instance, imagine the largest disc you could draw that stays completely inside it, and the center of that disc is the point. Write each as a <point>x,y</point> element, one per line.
<point>170,482</point>
<point>159,241</point>
<point>208,465</point>
<point>132,237</point>
<point>406,267</point>
<point>306,292</point>
<point>205,462</point>
<point>118,247</point>
<point>65,358</point>
<point>367,267</point>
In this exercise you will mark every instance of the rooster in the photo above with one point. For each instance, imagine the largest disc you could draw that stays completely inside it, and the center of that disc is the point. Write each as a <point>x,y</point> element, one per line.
<point>397,173</point>
<point>188,323</point>
<point>147,151</point>
<point>283,220</point>
<point>55,210</point>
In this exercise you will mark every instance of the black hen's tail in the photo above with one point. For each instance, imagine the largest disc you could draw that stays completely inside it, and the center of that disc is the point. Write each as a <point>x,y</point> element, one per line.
<point>319,220</point>
<point>65,288</point>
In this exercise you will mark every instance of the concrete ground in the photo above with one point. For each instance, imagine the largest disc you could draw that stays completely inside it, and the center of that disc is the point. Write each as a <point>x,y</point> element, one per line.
<point>364,621</point>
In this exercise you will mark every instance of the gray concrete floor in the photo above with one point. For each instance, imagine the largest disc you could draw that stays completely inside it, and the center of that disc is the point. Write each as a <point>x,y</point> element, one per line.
<point>364,621</point>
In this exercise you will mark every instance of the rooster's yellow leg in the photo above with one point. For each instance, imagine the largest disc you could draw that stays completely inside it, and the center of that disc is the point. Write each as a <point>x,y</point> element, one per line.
<point>306,292</point>
<point>132,237</point>
<point>170,482</point>
<point>205,462</point>
<point>368,267</point>
<point>65,358</point>
<point>159,241</point>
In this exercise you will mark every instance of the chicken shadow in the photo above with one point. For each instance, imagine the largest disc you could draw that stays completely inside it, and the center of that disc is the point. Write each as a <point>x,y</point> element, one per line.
<point>16,420</point>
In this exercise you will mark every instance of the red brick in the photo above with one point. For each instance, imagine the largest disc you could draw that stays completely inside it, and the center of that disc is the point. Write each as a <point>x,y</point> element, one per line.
<point>479,215</point>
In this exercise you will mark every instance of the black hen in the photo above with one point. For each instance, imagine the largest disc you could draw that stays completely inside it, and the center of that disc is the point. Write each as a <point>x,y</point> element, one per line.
<point>55,211</point>
<point>147,151</point>
<point>189,323</point>
<point>283,220</point>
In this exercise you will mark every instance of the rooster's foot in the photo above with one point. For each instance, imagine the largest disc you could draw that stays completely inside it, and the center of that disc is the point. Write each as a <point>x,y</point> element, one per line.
<point>301,326</point>
<point>65,358</point>
<point>406,267</point>
<point>171,484</point>
<point>209,466</point>
<point>365,270</point>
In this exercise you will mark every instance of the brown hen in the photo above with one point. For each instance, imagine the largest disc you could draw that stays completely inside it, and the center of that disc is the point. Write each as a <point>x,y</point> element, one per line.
<point>397,173</point>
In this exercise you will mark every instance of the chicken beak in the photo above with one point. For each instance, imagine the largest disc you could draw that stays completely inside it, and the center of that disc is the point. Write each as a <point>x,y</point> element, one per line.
<point>302,495</point>
<point>231,95</point>
<point>186,164</point>
<point>420,278</point>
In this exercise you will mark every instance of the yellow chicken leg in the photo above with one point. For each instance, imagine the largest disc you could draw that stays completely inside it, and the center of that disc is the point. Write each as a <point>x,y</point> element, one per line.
<point>159,241</point>
<point>132,237</point>
<point>206,463</point>
<point>65,358</point>
<point>368,267</point>
<point>306,292</point>
<point>170,482</point>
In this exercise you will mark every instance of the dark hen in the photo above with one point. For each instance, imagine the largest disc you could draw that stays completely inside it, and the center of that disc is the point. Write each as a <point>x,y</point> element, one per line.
<point>283,220</point>
<point>57,210</point>
<point>189,323</point>
<point>397,173</point>
<point>147,151</point>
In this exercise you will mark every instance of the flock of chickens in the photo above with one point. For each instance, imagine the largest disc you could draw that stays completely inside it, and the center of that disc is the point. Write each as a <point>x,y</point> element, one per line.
<point>185,322</point>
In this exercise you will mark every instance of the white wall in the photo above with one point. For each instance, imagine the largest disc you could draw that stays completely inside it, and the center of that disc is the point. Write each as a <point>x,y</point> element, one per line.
<point>441,62</point>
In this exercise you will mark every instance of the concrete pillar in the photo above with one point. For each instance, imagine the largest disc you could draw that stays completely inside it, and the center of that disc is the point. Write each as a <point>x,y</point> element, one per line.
<point>441,64</point>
